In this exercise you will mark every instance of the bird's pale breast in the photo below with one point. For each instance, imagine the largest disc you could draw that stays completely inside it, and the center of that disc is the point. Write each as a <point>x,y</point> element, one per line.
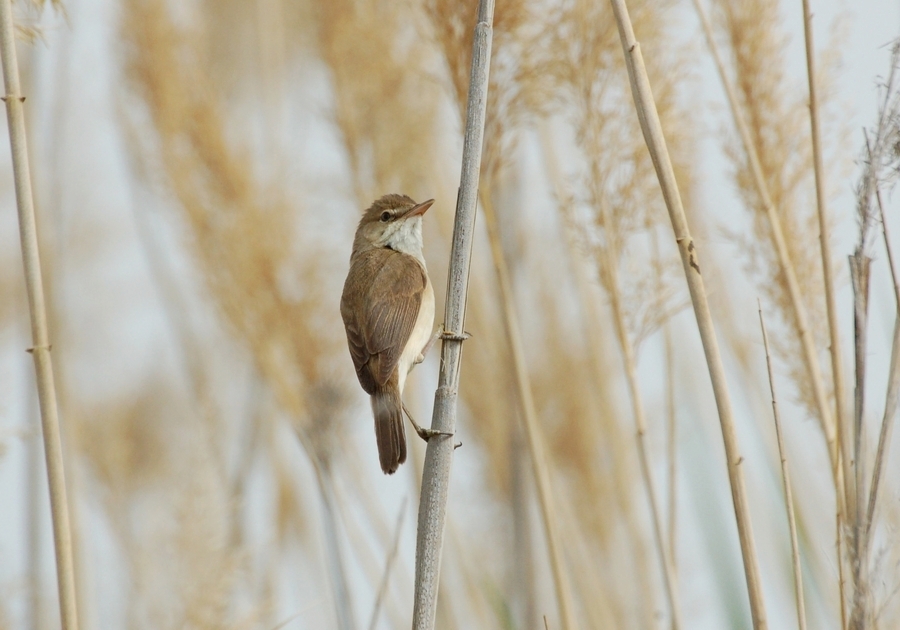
<point>420,335</point>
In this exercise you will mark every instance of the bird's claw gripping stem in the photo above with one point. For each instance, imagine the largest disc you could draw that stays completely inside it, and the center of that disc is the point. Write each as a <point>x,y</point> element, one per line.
<point>449,336</point>
<point>425,434</point>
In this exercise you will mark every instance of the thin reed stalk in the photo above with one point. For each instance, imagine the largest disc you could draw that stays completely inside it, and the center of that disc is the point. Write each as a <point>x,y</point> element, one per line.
<point>40,350</point>
<point>656,144</point>
<point>837,368</point>
<point>786,482</point>
<point>388,565</point>
<point>892,399</point>
<point>534,439</point>
<point>33,520</point>
<point>343,604</point>
<point>671,452</point>
<point>842,581</point>
<point>439,453</point>
<point>859,274</point>
<point>879,165</point>
<point>523,581</point>
<point>799,310</point>
<point>610,269</point>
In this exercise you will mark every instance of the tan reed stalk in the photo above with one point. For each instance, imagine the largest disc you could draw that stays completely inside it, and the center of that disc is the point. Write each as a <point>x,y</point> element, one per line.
<point>839,547</point>
<point>582,281</point>
<point>892,399</point>
<point>471,575</point>
<point>40,350</point>
<point>523,578</point>
<point>656,144</point>
<point>534,440</point>
<point>33,516</point>
<point>787,267</point>
<point>343,604</point>
<point>602,608</point>
<point>786,482</point>
<point>862,530</point>
<point>586,583</point>
<point>877,152</point>
<point>672,450</point>
<point>388,564</point>
<point>837,368</point>
<point>358,497</point>
<point>859,275</point>
<point>439,453</point>
<point>671,435</point>
<point>610,269</point>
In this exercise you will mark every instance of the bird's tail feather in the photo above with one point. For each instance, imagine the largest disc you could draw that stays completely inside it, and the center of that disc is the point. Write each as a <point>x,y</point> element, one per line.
<point>389,431</point>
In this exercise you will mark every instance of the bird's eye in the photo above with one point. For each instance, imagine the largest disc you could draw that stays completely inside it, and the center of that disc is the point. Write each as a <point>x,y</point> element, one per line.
<point>385,217</point>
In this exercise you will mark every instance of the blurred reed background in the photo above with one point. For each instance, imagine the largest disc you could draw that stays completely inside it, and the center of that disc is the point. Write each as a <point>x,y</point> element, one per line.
<point>199,170</point>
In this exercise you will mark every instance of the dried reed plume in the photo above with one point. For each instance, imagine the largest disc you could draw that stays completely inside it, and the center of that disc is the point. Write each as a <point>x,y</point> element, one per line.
<point>243,247</point>
<point>265,278</point>
<point>384,109</point>
<point>790,269</point>
<point>614,203</point>
<point>656,144</point>
<point>768,182</point>
<point>881,165</point>
<point>837,370</point>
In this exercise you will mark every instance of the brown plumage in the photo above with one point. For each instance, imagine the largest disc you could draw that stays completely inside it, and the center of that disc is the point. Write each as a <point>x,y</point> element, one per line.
<point>388,311</point>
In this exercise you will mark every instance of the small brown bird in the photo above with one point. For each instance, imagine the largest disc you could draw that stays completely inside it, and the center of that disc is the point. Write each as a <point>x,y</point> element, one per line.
<point>388,312</point>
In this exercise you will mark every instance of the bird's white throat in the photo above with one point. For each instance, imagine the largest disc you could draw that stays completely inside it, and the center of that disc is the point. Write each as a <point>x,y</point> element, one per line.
<point>405,236</point>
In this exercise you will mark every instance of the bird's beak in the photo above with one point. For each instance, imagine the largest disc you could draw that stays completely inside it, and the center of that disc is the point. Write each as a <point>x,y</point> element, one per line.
<point>418,210</point>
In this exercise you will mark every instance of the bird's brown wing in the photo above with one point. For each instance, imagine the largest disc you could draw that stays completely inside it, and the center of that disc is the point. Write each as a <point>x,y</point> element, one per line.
<point>380,305</point>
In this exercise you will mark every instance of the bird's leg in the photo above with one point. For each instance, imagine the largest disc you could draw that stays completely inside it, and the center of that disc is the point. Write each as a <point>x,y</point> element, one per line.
<point>425,434</point>
<point>440,333</point>
<point>437,335</point>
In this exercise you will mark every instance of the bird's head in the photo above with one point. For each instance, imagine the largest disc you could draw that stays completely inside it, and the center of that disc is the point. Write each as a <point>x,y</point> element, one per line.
<point>394,222</point>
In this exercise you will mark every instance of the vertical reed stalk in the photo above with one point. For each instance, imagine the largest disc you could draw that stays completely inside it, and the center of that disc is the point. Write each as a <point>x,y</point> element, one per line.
<point>656,144</point>
<point>837,369</point>
<point>892,399</point>
<point>809,351</point>
<point>523,582</point>
<point>40,350</point>
<point>839,546</point>
<point>388,564</point>
<point>534,440</point>
<point>786,481</point>
<point>672,452</point>
<point>33,520</point>
<point>610,269</point>
<point>439,453</point>
<point>859,274</point>
<point>343,605</point>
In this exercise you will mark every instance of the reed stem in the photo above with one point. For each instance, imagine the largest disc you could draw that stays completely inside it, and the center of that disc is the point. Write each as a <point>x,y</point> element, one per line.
<point>656,144</point>
<point>786,482</point>
<point>439,453</point>
<point>664,552</point>
<point>806,341</point>
<point>40,350</point>
<point>837,369</point>
<point>892,399</point>
<point>534,439</point>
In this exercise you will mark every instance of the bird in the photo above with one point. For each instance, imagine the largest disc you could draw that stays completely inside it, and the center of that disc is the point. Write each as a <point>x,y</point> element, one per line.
<point>387,306</point>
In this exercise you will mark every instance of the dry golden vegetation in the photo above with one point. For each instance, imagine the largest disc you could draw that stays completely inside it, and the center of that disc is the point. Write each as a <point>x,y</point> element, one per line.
<point>199,169</point>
